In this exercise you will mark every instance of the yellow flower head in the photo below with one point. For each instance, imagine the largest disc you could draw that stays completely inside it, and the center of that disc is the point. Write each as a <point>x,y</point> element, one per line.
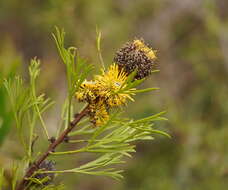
<point>113,79</point>
<point>106,91</point>
<point>111,84</point>
<point>87,91</point>
<point>98,114</point>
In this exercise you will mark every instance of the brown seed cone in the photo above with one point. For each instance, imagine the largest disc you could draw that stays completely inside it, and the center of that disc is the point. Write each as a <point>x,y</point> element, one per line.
<point>131,57</point>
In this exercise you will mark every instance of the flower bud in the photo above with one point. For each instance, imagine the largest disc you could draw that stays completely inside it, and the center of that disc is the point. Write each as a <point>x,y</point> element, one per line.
<point>47,165</point>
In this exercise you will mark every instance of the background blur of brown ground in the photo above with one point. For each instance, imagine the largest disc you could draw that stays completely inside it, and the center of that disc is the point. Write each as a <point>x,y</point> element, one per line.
<point>191,37</point>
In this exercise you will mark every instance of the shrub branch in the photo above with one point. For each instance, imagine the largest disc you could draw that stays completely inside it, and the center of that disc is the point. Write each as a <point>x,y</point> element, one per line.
<point>35,166</point>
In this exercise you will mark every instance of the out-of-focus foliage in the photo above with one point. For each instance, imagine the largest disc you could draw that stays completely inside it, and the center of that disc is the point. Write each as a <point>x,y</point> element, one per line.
<point>9,62</point>
<point>191,38</point>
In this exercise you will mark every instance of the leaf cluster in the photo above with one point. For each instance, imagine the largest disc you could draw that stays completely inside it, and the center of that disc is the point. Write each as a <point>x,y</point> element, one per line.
<point>27,106</point>
<point>77,70</point>
<point>111,142</point>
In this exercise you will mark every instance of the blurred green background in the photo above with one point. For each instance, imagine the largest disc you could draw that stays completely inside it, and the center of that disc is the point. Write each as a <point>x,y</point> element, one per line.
<point>191,37</point>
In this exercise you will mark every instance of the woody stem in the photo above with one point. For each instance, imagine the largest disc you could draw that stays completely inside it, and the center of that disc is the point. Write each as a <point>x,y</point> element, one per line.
<point>35,166</point>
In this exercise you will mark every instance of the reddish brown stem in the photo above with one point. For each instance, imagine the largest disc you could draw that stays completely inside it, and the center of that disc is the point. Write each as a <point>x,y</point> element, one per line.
<point>35,166</point>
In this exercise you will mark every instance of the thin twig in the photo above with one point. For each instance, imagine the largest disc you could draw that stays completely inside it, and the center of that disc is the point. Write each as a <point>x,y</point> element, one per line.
<point>35,166</point>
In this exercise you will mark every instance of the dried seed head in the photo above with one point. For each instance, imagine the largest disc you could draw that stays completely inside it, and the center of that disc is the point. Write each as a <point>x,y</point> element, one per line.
<point>136,56</point>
